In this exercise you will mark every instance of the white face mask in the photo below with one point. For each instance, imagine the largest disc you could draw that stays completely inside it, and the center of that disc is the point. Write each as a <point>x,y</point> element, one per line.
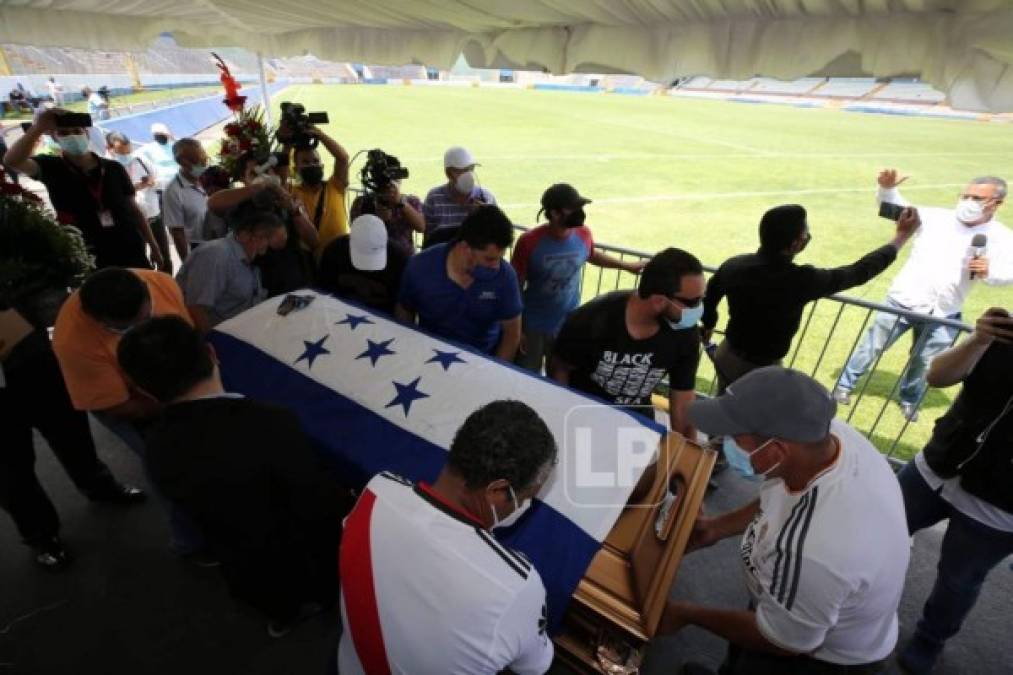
<point>465,183</point>
<point>519,510</point>
<point>75,144</point>
<point>969,211</point>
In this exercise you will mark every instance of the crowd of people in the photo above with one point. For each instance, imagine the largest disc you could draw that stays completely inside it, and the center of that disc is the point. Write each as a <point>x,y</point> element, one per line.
<point>129,348</point>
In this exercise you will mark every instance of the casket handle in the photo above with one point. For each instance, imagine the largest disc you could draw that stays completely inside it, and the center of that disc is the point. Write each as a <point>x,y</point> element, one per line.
<point>668,509</point>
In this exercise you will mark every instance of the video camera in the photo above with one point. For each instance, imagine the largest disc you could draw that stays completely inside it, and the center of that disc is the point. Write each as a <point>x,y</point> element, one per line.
<point>295,125</point>
<point>376,176</point>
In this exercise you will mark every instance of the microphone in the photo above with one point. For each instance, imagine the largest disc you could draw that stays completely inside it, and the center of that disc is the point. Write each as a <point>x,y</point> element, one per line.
<point>978,243</point>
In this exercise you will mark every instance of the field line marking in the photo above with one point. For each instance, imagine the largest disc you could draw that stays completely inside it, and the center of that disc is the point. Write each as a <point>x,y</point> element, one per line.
<point>611,156</point>
<point>749,193</point>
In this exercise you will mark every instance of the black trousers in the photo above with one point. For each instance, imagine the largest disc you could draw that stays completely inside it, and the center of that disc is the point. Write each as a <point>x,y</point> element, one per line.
<point>746,662</point>
<point>35,396</point>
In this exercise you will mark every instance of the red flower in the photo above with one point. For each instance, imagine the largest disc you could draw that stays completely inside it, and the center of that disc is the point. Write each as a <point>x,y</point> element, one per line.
<point>244,145</point>
<point>232,129</point>
<point>12,189</point>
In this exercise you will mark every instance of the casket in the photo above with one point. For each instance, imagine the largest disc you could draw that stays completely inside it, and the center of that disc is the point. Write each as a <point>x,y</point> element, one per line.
<point>618,604</point>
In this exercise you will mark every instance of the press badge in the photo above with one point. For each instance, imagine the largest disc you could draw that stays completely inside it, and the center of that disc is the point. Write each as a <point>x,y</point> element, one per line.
<point>105,218</point>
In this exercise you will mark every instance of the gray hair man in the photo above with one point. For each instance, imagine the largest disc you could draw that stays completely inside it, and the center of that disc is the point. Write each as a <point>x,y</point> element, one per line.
<point>824,547</point>
<point>955,249</point>
<point>184,202</point>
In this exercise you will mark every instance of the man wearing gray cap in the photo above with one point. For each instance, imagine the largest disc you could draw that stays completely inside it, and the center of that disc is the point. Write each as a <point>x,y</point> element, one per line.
<point>825,546</point>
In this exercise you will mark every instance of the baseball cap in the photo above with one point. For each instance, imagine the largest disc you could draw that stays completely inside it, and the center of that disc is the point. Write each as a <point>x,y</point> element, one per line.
<point>159,128</point>
<point>562,196</point>
<point>774,402</point>
<point>368,243</point>
<point>458,158</point>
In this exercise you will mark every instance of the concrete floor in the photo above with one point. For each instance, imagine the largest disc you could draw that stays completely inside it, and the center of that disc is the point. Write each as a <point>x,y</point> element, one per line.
<point>128,606</point>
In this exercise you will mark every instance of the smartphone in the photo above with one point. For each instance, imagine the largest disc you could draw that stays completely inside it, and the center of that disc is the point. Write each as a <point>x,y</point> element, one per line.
<point>73,119</point>
<point>317,118</point>
<point>890,211</point>
<point>294,302</point>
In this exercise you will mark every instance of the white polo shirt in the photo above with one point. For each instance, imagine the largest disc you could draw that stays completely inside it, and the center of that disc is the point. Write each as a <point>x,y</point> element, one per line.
<point>426,589</point>
<point>826,566</point>
<point>935,280</point>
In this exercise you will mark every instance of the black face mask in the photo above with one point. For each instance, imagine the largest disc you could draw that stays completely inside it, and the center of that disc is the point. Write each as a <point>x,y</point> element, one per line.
<point>161,139</point>
<point>312,175</point>
<point>575,218</point>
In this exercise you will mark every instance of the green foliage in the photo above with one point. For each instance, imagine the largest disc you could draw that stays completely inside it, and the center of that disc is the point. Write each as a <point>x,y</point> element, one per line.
<point>36,252</point>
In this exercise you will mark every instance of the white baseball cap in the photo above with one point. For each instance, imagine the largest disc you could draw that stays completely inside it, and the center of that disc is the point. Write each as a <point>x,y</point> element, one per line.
<point>458,158</point>
<point>368,243</point>
<point>159,128</point>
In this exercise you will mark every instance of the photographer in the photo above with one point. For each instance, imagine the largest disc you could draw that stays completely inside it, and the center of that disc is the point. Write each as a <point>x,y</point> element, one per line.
<point>322,199</point>
<point>401,214</point>
<point>93,194</point>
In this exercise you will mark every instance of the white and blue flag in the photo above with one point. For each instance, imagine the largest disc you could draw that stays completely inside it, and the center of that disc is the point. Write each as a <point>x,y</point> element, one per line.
<point>375,395</point>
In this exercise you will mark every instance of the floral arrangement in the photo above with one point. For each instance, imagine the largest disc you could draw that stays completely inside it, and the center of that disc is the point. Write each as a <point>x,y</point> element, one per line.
<point>36,252</point>
<point>246,134</point>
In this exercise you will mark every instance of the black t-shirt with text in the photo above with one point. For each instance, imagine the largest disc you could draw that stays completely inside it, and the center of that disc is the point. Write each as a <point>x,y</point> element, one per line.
<point>377,290</point>
<point>80,198</point>
<point>610,364</point>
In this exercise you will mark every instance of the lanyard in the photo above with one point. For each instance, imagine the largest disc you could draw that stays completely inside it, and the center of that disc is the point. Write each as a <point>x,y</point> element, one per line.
<point>94,187</point>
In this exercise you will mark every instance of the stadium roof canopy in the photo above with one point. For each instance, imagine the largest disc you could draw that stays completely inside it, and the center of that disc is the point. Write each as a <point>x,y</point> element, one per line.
<point>962,47</point>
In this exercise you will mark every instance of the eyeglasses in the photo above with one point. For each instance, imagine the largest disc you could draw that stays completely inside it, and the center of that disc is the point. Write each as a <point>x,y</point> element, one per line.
<point>687,302</point>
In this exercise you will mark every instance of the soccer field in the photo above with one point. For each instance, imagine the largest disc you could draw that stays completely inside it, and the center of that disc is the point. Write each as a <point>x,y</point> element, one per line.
<point>696,174</point>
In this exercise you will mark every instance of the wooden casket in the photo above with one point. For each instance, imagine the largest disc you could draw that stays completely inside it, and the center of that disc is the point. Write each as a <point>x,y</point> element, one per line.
<point>618,605</point>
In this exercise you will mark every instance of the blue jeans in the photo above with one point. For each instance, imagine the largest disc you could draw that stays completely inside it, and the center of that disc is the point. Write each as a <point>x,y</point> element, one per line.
<point>970,550</point>
<point>184,536</point>
<point>929,340</point>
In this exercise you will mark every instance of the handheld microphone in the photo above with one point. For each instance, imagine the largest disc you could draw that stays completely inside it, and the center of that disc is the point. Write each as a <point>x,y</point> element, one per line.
<point>978,243</point>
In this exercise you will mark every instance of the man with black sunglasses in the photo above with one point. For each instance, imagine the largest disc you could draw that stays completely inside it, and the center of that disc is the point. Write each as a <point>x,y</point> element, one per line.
<point>767,291</point>
<point>619,346</point>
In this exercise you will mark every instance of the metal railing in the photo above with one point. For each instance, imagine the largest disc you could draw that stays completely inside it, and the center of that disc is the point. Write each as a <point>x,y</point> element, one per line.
<point>810,351</point>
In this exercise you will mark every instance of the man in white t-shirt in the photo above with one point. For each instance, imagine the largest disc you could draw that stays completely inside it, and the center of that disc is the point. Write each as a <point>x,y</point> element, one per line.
<point>943,267</point>
<point>425,586</point>
<point>824,548</point>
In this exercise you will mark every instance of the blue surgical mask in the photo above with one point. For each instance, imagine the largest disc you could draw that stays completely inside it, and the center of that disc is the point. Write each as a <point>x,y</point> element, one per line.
<point>690,317</point>
<point>739,459</point>
<point>124,159</point>
<point>196,170</point>
<point>483,273</point>
<point>77,144</point>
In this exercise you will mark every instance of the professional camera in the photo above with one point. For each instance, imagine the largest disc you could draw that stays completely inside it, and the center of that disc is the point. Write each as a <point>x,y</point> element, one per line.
<point>294,128</point>
<point>376,176</point>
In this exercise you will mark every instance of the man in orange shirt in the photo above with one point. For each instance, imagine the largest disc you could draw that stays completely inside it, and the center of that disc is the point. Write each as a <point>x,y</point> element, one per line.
<point>85,338</point>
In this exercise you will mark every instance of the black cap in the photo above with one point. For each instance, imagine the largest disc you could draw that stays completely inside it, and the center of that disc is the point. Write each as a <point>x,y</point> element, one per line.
<point>562,196</point>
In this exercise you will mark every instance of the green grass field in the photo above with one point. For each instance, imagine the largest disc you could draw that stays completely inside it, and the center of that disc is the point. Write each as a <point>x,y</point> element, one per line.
<point>694,174</point>
<point>134,99</point>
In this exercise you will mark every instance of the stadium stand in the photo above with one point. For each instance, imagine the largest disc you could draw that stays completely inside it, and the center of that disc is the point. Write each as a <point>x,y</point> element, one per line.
<point>780,87</point>
<point>909,91</point>
<point>846,87</point>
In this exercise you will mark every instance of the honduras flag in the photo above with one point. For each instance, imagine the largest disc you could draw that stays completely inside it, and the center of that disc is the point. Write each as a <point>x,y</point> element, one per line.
<point>376,395</point>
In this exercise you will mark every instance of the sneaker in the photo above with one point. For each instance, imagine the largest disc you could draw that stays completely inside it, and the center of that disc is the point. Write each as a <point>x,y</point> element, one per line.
<point>51,555</point>
<point>909,411</point>
<point>118,494</point>
<point>842,396</point>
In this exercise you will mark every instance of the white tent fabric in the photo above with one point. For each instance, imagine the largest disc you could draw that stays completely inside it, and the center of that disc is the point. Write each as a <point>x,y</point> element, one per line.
<point>962,47</point>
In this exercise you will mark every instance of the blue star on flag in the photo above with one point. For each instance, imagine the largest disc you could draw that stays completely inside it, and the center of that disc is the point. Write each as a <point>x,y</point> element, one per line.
<point>406,395</point>
<point>446,359</point>
<point>313,350</point>
<point>375,350</point>
<point>353,320</point>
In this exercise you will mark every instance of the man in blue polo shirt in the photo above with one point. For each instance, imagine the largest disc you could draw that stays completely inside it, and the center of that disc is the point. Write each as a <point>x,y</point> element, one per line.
<point>463,291</point>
